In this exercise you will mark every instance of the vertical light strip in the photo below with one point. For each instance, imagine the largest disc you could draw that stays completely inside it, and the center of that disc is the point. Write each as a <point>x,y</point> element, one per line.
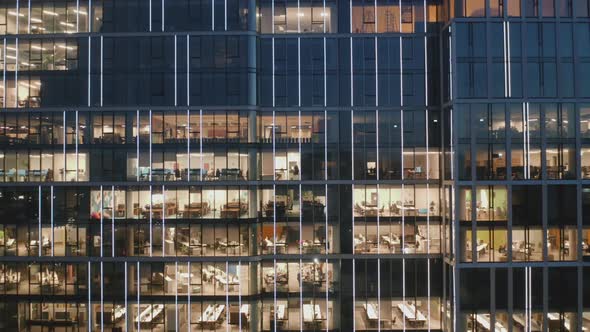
<point>352,148</point>
<point>126,295</point>
<point>16,68</point>
<point>163,16</point>
<point>102,296</point>
<point>163,221</point>
<point>138,127</point>
<point>452,148</point>
<point>65,159</point>
<point>77,16</point>
<point>101,68</point>
<point>138,291</point>
<point>150,18</point>
<point>150,156</point>
<point>201,145</point>
<point>189,297</point>
<point>350,15</point>
<point>299,73</point>
<point>351,77</point>
<point>274,187</point>
<point>299,13</point>
<point>101,219</point>
<point>89,66</point>
<point>17,22</point>
<point>300,198</point>
<point>76,146</point>
<point>188,64</point>
<point>526,299</point>
<point>175,69</point>
<point>113,222</point>
<point>89,297</point>
<point>273,73</point>
<point>151,222</point>
<point>212,15</point>
<point>508,58</point>
<point>425,59</point>
<point>272,20</point>
<point>52,223</point>
<point>89,18</point>
<point>403,240</point>
<point>524,147</point>
<point>188,145</point>
<point>4,88</point>
<point>325,70</point>
<point>401,93</point>
<point>324,18</point>
<point>505,60</point>
<point>377,124</point>
<point>450,63</point>
<point>29,13</point>
<point>225,21</point>
<point>176,294</point>
<point>39,213</point>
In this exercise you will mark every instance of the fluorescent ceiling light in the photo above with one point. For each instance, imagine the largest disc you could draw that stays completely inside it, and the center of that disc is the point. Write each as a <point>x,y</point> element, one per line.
<point>49,12</point>
<point>11,13</point>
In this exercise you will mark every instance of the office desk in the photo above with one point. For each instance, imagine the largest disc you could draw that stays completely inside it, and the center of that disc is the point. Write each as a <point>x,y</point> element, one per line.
<point>485,322</point>
<point>411,314</point>
<point>372,312</point>
<point>149,314</point>
<point>212,315</point>
<point>520,319</point>
<point>311,314</point>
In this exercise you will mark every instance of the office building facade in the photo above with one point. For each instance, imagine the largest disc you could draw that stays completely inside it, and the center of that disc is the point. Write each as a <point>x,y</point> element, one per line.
<point>290,165</point>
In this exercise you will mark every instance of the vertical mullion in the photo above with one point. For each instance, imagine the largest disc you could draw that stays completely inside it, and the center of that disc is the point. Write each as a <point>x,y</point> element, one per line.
<point>164,221</point>
<point>52,225</point>
<point>77,16</point>
<point>101,220</point>
<point>16,68</point>
<point>113,221</point>
<point>126,295</point>
<point>188,81</point>
<point>39,238</point>
<point>175,65</point>
<point>189,296</point>
<point>29,18</point>
<point>89,285</point>
<point>101,295</point>
<point>89,65</point>
<point>188,145</point>
<point>76,126</point>
<point>151,221</point>
<point>101,69</point>
<point>4,88</point>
